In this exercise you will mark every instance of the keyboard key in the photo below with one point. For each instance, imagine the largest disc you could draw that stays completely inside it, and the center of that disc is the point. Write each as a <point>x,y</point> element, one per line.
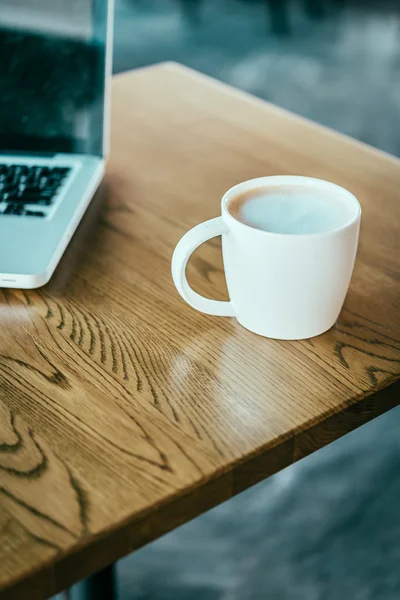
<point>29,197</point>
<point>47,193</point>
<point>11,198</point>
<point>34,213</point>
<point>14,209</point>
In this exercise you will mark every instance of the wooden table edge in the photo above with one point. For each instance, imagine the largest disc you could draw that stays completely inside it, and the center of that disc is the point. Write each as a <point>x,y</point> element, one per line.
<point>100,550</point>
<point>166,66</point>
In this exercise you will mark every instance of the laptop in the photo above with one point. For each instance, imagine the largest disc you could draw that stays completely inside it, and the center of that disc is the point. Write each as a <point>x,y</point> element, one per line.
<point>55,61</point>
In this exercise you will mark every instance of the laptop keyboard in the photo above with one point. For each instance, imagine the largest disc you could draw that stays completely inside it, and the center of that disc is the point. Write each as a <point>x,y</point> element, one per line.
<point>26,190</point>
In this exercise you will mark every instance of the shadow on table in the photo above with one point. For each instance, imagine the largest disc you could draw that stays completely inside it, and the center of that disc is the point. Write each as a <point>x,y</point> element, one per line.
<point>85,238</point>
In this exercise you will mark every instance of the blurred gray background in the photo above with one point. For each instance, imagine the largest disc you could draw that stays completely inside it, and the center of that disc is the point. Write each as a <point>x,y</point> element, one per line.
<point>328,527</point>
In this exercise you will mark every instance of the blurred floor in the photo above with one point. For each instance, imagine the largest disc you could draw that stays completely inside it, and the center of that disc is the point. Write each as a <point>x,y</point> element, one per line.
<point>328,527</point>
<point>335,61</point>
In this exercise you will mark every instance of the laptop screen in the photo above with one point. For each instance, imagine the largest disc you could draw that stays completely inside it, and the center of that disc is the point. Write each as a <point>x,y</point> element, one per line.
<point>52,57</point>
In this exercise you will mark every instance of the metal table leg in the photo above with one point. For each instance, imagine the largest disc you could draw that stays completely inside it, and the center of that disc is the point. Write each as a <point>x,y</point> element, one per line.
<point>99,586</point>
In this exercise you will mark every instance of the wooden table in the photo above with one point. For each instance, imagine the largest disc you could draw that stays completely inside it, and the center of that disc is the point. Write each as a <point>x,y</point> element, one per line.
<point>124,412</point>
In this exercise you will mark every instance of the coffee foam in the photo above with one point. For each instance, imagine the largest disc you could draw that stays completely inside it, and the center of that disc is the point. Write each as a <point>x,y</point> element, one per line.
<point>290,209</point>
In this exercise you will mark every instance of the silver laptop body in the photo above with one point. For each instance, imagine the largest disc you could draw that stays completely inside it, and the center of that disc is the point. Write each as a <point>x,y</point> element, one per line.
<point>55,62</point>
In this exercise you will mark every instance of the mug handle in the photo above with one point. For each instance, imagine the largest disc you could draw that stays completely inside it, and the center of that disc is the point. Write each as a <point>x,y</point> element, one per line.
<point>184,249</point>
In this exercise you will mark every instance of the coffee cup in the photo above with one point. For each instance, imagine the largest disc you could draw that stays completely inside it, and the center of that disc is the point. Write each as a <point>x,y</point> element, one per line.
<point>289,244</point>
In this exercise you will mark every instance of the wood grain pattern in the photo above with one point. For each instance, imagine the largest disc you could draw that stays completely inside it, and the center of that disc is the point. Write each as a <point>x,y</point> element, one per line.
<point>124,412</point>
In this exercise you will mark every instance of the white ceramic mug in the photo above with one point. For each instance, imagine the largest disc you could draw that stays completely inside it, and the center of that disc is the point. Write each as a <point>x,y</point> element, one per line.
<point>284,286</point>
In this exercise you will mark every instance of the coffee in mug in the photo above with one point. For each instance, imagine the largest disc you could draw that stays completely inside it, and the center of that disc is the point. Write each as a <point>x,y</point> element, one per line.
<point>290,209</point>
